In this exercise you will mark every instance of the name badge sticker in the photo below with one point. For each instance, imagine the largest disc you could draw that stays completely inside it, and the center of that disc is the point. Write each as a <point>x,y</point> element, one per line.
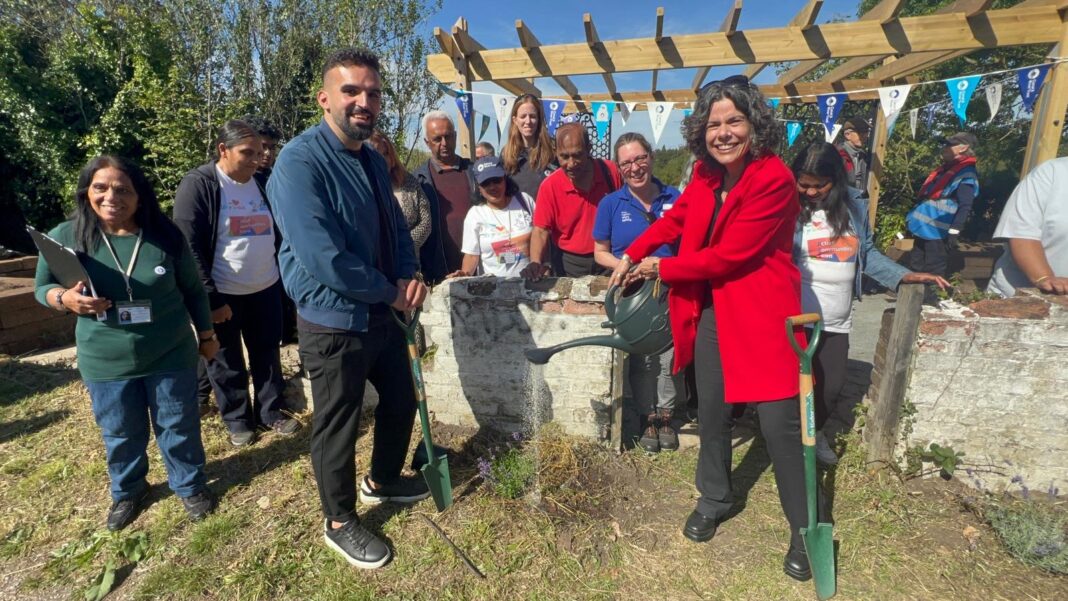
<point>134,312</point>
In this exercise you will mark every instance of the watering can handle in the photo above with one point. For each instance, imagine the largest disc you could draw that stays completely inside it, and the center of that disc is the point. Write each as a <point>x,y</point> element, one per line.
<point>801,320</point>
<point>610,297</point>
<point>409,326</point>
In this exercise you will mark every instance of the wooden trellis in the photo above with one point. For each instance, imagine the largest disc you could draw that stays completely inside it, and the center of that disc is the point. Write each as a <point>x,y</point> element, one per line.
<point>900,46</point>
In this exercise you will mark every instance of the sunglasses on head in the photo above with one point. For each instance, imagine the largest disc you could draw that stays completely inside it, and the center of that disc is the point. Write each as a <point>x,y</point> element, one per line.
<point>734,81</point>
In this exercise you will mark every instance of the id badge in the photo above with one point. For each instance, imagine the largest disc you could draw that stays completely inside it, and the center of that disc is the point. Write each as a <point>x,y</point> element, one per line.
<point>508,258</point>
<point>134,312</point>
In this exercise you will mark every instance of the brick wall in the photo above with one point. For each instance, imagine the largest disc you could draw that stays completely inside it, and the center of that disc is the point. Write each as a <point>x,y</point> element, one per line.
<point>478,375</point>
<point>991,380</point>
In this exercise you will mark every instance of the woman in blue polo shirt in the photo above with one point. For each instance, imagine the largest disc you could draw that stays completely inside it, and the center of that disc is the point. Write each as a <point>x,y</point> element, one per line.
<point>622,216</point>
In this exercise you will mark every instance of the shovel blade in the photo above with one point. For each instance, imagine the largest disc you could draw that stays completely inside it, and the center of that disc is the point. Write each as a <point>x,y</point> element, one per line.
<point>436,474</point>
<point>819,545</point>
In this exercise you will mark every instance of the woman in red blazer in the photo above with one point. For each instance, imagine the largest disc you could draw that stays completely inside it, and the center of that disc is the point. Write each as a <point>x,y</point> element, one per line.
<point>733,284</point>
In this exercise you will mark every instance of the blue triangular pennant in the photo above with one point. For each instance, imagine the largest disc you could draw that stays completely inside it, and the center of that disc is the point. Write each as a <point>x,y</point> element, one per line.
<point>1030,83</point>
<point>960,93</point>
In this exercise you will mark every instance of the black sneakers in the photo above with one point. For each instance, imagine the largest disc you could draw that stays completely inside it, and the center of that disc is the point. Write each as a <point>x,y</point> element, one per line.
<point>402,490</point>
<point>242,439</point>
<point>200,505</point>
<point>124,512</point>
<point>286,426</point>
<point>357,545</point>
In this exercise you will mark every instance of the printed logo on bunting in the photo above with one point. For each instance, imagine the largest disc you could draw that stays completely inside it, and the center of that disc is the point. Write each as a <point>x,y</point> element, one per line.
<point>892,100</point>
<point>502,107</point>
<point>658,116</point>
<point>553,109</point>
<point>1030,83</point>
<point>793,129</point>
<point>830,106</point>
<point>463,102</point>
<point>602,117</point>
<point>993,98</point>
<point>960,93</point>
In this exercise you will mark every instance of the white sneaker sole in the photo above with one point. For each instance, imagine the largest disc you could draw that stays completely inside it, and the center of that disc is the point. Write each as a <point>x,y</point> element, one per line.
<point>366,565</point>
<point>369,498</point>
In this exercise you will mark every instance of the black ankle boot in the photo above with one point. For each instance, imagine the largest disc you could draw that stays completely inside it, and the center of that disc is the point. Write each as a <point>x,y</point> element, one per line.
<point>795,564</point>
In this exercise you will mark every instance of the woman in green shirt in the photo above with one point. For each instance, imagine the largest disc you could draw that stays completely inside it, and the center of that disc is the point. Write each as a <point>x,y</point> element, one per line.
<point>137,351</point>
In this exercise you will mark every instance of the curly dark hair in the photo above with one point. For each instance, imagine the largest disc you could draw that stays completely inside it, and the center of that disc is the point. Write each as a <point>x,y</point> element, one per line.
<point>765,133</point>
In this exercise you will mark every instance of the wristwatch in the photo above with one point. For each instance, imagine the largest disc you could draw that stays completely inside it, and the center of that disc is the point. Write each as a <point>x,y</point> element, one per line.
<point>213,336</point>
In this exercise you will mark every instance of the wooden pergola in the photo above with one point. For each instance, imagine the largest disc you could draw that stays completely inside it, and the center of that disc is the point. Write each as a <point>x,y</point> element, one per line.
<point>896,48</point>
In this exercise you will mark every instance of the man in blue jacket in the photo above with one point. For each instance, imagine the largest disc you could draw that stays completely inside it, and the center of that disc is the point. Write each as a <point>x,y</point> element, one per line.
<point>347,260</point>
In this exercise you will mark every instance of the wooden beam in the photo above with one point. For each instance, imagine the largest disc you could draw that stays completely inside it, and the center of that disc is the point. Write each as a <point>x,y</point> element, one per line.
<point>804,20</point>
<point>728,27</point>
<point>529,42</point>
<point>1047,124</point>
<point>600,55</point>
<point>462,45</point>
<point>875,172</point>
<point>659,36</point>
<point>465,134</point>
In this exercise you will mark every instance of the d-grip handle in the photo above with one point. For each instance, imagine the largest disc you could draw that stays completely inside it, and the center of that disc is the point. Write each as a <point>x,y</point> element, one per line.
<point>813,342</point>
<point>802,320</point>
<point>409,327</point>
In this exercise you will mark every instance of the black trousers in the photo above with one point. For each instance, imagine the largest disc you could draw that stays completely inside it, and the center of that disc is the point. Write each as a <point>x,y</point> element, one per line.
<point>780,423</point>
<point>829,369</point>
<point>339,366</point>
<point>576,266</point>
<point>931,256</point>
<point>257,319</point>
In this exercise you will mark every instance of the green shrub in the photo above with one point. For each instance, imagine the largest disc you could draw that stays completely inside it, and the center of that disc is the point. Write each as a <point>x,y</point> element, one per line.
<point>511,473</point>
<point>1035,533</point>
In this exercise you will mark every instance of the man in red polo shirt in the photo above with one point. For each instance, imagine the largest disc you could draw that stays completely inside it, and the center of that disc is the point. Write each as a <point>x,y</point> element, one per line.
<point>567,205</point>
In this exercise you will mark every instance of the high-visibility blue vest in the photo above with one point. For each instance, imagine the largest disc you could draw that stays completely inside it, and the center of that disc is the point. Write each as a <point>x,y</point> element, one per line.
<point>932,218</point>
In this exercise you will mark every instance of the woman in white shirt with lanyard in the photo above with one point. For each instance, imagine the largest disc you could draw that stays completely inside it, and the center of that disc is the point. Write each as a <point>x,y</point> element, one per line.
<point>833,246</point>
<point>497,233</point>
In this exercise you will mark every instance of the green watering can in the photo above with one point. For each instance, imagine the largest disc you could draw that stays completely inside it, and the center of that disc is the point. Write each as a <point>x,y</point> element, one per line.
<point>639,315</point>
<point>818,537</point>
<point>436,468</point>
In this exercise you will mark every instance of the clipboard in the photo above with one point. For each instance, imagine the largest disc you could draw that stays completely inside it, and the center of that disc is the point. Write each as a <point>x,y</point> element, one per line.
<point>64,263</point>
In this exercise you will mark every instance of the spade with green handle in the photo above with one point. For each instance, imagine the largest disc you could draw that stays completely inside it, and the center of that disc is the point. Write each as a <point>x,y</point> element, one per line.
<point>436,469</point>
<point>818,537</point>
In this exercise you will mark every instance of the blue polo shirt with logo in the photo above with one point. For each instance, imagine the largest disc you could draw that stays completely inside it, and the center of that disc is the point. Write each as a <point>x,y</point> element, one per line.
<point>621,218</point>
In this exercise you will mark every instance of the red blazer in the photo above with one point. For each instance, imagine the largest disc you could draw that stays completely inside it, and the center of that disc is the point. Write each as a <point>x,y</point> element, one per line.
<point>748,266</point>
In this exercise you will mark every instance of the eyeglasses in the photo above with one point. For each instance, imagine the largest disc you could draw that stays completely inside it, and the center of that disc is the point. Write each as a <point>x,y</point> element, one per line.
<point>639,161</point>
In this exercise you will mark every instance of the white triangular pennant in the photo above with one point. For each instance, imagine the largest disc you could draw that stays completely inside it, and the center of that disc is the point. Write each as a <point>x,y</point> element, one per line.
<point>914,117</point>
<point>993,98</point>
<point>625,110</point>
<point>502,108</point>
<point>892,99</point>
<point>658,116</point>
<point>832,133</point>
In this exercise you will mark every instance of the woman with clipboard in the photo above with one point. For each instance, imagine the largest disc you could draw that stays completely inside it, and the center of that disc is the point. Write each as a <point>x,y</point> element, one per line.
<point>139,360</point>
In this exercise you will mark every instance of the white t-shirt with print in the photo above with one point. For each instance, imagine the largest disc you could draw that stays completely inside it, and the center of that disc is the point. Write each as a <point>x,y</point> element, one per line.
<point>828,272</point>
<point>500,237</point>
<point>244,250</point>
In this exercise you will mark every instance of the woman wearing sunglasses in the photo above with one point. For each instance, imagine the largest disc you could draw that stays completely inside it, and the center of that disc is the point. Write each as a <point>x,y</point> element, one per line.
<point>833,246</point>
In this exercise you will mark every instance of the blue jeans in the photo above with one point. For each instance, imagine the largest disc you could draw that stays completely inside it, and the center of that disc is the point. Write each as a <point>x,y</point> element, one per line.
<point>124,409</point>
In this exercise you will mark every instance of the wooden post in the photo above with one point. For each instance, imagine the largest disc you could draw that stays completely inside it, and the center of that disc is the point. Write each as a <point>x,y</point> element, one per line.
<point>465,135</point>
<point>875,170</point>
<point>615,435</point>
<point>882,424</point>
<point>1047,124</point>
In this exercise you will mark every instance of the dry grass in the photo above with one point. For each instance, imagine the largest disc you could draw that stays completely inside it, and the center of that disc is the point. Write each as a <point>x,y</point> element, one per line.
<point>607,527</point>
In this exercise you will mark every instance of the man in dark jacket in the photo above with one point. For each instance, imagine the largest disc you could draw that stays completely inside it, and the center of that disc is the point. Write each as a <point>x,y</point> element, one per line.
<point>222,210</point>
<point>348,261</point>
<point>450,186</point>
<point>854,151</point>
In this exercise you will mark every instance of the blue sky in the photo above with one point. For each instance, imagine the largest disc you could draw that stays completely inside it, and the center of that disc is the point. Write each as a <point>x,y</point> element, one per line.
<point>560,22</point>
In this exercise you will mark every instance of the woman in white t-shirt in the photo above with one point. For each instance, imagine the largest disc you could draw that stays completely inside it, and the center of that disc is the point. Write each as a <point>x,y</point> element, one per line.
<point>496,233</point>
<point>833,246</point>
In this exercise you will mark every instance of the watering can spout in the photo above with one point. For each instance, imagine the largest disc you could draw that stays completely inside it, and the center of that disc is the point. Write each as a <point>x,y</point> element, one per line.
<point>540,356</point>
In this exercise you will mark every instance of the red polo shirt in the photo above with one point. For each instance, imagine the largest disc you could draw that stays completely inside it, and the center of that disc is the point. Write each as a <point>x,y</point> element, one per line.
<point>567,212</point>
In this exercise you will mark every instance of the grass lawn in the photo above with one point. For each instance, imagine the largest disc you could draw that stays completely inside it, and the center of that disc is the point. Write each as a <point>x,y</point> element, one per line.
<point>607,527</point>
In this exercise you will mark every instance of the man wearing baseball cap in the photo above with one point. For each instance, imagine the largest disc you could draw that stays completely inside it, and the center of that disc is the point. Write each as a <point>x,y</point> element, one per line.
<point>946,199</point>
<point>854,151</point>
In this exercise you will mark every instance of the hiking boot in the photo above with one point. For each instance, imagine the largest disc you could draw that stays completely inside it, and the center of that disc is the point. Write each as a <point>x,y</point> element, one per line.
<point>124,512</point>
<point>650,440</point>
<point>666,434</point>
<point>357,545</point>
<point>200,505</point>
<point>824,453</point>
<point>242,439</point>
<point>286,426</point>
<point>402,490</point>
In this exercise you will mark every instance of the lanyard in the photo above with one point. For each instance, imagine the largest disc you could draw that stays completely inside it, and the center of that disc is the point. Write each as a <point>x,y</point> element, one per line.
<point>133,259</point>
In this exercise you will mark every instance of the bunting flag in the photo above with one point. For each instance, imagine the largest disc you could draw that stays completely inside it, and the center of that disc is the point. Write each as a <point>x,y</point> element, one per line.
<point>830,106</point>
<point>892,100</point>
<point>914,116</point>
<point>602,117</point>
<point>793,129</point>
<point>446,89</point>
<point>774,103</point>
<point>658,116</point>
<point>625,110</point>
<point>960,93</point>
<point>485,127</point>
<point>832,133</point>
<point>463,102</point>
<point>1030,83</point>
<point>553,109</point>
<point>502,106</point>
<point>993,98</point>
<point>928,117</point>
<point>686,112</point>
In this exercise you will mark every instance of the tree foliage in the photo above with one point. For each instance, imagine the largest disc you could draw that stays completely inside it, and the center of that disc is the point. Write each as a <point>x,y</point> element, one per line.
<point>153,80</point>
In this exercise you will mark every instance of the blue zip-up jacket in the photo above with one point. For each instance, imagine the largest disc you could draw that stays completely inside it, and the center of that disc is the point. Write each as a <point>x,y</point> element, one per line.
<point>870,261</point>
<point>326,211</point>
